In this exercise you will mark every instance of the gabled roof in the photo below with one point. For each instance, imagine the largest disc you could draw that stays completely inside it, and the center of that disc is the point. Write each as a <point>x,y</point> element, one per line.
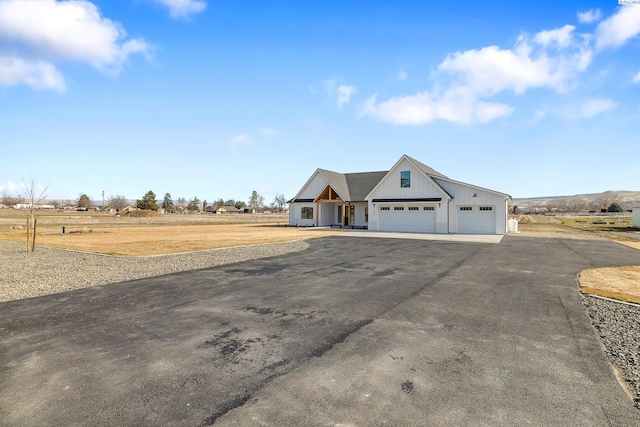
<point>353,187</point>
<point>424,168</point>
<point>429,173</point>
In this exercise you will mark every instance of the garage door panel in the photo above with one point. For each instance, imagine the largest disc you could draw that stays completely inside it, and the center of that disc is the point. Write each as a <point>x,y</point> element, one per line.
<point>414,218</point>
<point>476,220</point>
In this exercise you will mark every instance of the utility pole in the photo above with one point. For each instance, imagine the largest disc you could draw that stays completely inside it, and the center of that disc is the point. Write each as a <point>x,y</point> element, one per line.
<point>102,199</point>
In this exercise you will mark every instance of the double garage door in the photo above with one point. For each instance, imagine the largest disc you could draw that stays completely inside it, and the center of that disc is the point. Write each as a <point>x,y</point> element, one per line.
<point>476,220</point>
<point>415,218</point>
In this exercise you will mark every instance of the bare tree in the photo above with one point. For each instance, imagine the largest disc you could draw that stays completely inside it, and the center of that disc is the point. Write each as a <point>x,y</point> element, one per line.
<point>118,202</point>
<point>34,195</point>
<point>280,201</point>
<point>605,200</point>
<point>7,199</point>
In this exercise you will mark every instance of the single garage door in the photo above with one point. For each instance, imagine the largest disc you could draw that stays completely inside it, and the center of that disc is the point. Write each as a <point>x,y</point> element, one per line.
<point>476,220</point>
<point>412,218</point>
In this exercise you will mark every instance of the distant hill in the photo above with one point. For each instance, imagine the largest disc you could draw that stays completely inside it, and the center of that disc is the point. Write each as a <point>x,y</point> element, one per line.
<point>578,202</point>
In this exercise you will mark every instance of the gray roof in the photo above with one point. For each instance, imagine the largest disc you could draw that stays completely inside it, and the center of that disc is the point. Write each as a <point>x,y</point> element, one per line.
<point>427,169</point>
<point>353,187</point>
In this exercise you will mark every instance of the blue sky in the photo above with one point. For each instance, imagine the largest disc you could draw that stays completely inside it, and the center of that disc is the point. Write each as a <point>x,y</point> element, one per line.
<point>215,99</point>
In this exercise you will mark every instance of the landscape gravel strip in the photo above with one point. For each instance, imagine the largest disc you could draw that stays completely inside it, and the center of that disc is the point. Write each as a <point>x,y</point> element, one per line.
<point>618,326</point>
<point>51,270</point>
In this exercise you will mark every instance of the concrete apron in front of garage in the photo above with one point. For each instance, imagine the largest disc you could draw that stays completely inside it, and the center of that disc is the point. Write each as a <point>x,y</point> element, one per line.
<point>462,238</point>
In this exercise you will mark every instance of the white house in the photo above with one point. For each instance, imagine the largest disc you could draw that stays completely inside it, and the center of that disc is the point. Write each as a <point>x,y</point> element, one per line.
<point>410,197</point>
<point>635,215</point>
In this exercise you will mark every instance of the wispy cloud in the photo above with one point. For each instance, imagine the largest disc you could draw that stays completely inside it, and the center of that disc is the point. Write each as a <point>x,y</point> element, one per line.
<point>466,82</point>
<point>43,32</point>
<point>619,28</point>
<point>10,188</point>
<point>237,142</point>
<point>344,94</point>
<point>268,132</point>
<point>589,16</point>
<point>341,92</point>
<point>636,78</point>
<point>182,9</point>
<point>593,107</point>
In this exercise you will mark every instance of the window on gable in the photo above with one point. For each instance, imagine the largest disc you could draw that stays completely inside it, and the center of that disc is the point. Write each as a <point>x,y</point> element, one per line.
<point>307,213</point>
<point>405,179</point>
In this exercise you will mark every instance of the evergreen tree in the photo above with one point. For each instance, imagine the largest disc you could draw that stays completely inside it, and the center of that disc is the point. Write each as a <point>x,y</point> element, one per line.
<point>615,207</point>
<point>148,202</point>
<point>167,203</point>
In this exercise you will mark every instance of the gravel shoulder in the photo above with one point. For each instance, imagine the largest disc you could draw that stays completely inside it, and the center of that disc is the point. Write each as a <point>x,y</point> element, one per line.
<point>618,327</point>
<point>51,270</point>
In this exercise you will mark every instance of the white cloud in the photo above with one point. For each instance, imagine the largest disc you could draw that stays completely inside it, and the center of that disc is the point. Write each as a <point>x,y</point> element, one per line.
<point>238,142</point>
<point>36,74</point>
<point>43,32</point>
<point>561,37</point>
<point>344,94</point>
<point>619,28</point>
<point>268,132</point>
<point>10,188</point>
<point>636,78</point>
<point>183,9</point>
<point>466,80</point>
<point>593,107</point>
<point>457,105</point>
<point>402,75</point>
<point>589,16</point>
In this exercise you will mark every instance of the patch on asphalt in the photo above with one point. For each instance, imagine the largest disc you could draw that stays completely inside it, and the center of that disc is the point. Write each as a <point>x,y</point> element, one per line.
<point>408,387</point>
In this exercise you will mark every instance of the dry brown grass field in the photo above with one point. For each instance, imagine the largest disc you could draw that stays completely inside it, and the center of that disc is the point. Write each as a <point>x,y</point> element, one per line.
<point>138,236</point>
<point>107,234</point>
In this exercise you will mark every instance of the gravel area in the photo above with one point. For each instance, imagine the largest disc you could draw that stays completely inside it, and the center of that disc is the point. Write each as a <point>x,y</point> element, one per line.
<point>51,270</point>
<point>618,326</point>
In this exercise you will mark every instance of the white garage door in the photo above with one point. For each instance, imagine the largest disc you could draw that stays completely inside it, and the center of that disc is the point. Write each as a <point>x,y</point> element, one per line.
<point>414,218</point>
<point>476,220</point>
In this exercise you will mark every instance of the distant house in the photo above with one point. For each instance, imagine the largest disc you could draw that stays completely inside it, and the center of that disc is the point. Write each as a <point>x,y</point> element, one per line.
<point>410,197</point>
<point>635,215</point>
<point>219,210</point>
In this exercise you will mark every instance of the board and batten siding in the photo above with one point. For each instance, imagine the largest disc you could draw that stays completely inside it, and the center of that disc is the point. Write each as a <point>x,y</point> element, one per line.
<point>295,214</point>
<point>421,187</point>
<point>463,196</point>
<point>313,188</point>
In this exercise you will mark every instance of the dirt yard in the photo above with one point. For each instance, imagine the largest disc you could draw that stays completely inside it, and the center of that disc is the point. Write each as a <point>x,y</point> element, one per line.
<point>107,234</point>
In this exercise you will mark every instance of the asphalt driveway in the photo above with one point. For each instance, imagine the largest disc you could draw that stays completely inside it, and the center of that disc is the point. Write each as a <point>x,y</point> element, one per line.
<point>356,331</point>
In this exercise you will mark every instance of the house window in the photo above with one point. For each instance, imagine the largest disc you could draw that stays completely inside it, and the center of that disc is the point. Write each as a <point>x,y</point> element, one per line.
<point>486,208</point>
<point>366,214</point>
<point>413,208</point>
<point>384,208</point>
<point>352,214</point>
<point>405,179</point>
<point>466,208</point>
<point>398,208</point>
<point>429,208</point>
<point>307,213</point>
